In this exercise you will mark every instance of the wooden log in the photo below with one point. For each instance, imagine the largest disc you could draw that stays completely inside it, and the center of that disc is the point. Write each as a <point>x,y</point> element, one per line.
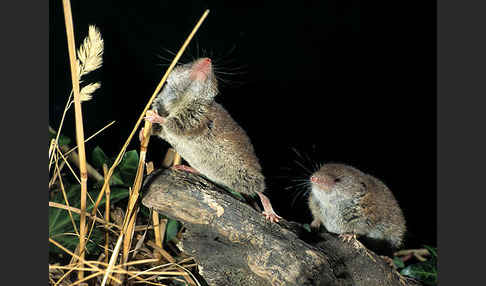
<point>234,245</point>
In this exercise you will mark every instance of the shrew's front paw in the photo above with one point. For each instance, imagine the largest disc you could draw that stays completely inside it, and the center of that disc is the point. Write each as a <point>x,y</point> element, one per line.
<point>153,117</point>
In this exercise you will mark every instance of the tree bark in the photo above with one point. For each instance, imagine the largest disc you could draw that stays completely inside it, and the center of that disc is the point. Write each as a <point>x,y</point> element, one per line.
<point>233,244</point>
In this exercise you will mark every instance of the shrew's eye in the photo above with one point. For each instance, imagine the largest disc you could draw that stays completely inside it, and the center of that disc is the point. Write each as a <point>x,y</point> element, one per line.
<point>337,180</point>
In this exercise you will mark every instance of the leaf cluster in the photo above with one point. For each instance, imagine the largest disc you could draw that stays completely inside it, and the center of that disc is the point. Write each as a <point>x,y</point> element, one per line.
<point>60,225</point>
<point>424,271</point>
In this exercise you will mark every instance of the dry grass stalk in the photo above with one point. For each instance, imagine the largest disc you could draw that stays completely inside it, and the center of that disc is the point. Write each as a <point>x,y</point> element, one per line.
<point>158,237</point>
<point>159,225</point>
<point>58,175</point>
<point>151,272</point>
<point>74,158</point>
<point>161,251</point>
<point>63,277</point>
<point>157,89</point>
<point>89,263</point>
<point>78,211</point>
<point>139,246</point>
<point>68,267</point>
<point>163,226</point>
<point>51,148</point>
<point>66,199</point>
<point>189,276</point>
<point>75,74</point>
<point>92,172</point>
<point>113,258</point>
<point>107,215</point>
<point>132,274</point>
<point>119,269</point>
<point>118,159</point>
<point>66,108</point>
<point>190,280</point>
<point>135,191</point>
<point>67,163</point>
<point>90,137</point>
<point>81,67</point>
<point>149,283</point>
<point>129,230</point>
<point>87,277</point>
<point>138,262</point>
<point>155,215</point>
<point>54,177</point>
<point>171,158</point>
<point>89,59</point>
<point>159,230</point>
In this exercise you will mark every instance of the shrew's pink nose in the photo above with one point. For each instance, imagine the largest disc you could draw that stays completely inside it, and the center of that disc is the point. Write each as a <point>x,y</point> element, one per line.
<point>314,179</point>
<point>201,69</point>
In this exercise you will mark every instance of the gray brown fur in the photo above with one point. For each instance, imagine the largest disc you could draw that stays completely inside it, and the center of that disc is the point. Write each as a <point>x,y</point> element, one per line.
<point>356,204</point>
<point>204,133</point>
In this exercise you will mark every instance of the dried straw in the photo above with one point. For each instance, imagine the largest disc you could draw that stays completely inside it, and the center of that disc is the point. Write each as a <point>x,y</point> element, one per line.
<point>107,215</point>
<point>136,188</point>
<point>79,126</point>
<point>89,59</point>
<point>134,194</point>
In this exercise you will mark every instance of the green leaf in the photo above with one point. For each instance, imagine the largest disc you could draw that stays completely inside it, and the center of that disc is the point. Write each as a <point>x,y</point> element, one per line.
<point>60,224</point>
<point>432,250</point>
<point>144,211</point>
<point>116,178</point>
<point>171,230</point>
<point>307,227</point>
<point>98,158</point>
<point>63,140</point>
<point>128,166</point>
<point>59,220</point>
<point>116,195</point>
<point>398,262</point>
<point>425,271</point>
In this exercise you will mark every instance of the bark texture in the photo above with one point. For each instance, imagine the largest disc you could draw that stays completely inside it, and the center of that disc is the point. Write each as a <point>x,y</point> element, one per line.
<point>234,245</point>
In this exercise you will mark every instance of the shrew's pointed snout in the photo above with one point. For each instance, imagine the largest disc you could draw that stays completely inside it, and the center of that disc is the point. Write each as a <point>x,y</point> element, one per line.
<point>323,181</point>
<point>201,69</point>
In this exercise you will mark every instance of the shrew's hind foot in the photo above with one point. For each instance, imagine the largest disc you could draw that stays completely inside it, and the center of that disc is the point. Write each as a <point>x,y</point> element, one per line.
<point>185,168</point>
<point>273,217</point>
<point>348,237</point>
<point>268,211</point>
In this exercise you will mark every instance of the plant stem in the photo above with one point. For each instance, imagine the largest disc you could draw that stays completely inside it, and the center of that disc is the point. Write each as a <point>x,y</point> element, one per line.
<point>132,206</point>
<point>162,81</point>
<point>107,216</point>
<point>79,128</point>
<point>128,216</point>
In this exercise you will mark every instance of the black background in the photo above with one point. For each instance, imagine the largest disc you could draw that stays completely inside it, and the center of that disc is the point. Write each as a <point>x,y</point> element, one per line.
<point>341,81</point>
